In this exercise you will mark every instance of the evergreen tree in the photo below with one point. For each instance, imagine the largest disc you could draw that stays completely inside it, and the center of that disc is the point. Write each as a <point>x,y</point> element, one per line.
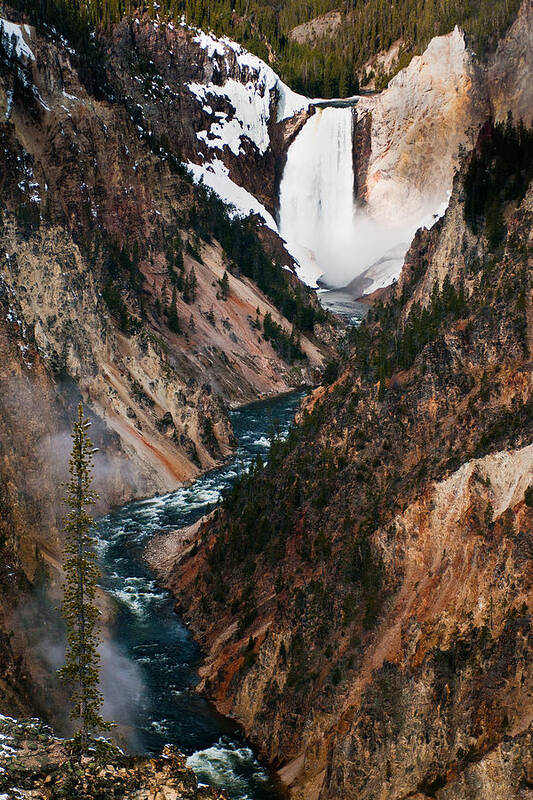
<point>193,283</point>
<point>224,286</point>
<point>81,669</point>
<point>173,319</point>
<point>495,224</point>
<point>189,287</point>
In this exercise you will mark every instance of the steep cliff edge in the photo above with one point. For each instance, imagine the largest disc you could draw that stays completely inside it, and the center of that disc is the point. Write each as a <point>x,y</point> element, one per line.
<point>410,138</point>
<point>117,230</point>
<point>365,599</point>
<point>408,152</point>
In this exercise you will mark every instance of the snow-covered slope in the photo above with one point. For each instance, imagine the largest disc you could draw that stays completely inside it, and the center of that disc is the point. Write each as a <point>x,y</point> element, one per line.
<point>18,35</point>
<point>215,175</point>
<point>250,98</point>
<point>253,94</point>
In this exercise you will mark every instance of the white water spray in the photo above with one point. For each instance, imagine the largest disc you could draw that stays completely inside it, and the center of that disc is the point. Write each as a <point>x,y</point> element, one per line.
<point>317,195</point>
<point>326,233</point>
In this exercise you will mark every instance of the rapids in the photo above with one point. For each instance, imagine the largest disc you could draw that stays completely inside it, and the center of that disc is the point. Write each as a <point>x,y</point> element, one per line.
<point>149,677</point>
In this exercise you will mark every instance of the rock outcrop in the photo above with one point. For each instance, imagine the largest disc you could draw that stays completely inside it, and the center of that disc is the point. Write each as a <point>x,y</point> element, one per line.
<point>509,70</point>
<point>37,765</point>
<point>419,122</point>
<point>325,26</point>
<point>407,148</point>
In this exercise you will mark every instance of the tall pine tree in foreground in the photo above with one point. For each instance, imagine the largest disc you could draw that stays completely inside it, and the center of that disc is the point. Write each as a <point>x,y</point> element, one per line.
<point>82,662</point>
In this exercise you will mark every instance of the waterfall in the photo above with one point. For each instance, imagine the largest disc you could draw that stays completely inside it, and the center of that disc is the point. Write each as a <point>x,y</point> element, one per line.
<point>328,236</point>
<point>317,209</point>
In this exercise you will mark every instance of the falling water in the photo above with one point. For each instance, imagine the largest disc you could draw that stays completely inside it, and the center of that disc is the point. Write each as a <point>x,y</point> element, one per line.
<point>317,208</point>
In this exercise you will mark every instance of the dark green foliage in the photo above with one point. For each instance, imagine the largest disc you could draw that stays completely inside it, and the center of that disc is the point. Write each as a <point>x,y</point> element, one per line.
<point>392,347</point>
<point>76,21</point>
<point>529,496</point>
<point>209,437</point>
<point>193,250</point>
<point>499,172</point>
<point>122,270</point>
<point>81,669</point>
<point>328,68</point>
<point>239,240</point>
<point>172,314</point>
<point>190,283</point>
<point>287,345</point>
<point>224,286</point>
<point>331,372</point>
<point>116,305</point>
<point>28,216</point>
<point>175,260</point>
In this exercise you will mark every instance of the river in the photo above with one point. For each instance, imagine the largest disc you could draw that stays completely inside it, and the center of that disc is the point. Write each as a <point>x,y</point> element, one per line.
<point>151,667</point>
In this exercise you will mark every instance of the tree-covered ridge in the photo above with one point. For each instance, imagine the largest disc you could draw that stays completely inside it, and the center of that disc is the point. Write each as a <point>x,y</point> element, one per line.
<point>499,172</point>
<point>497,175</point>
<point>329,68</point>
<point>371,26</point>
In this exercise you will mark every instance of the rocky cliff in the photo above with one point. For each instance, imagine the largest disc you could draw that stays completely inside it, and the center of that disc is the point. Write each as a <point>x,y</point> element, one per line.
<point>410,137</point>
<point>221,109</point>
<point>96,203</point>
<point>374,629</point>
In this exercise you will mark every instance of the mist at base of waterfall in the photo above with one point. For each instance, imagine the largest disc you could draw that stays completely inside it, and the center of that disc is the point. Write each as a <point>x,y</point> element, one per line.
<point>336,243</point>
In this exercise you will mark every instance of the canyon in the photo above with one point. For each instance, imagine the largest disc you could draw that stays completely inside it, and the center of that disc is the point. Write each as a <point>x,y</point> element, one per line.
<point>374,636</point>
<point>99,239</point>
<point>364,599</point>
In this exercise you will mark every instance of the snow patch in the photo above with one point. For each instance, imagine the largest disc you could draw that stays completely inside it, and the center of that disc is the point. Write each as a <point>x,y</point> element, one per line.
<point>10,29</point>
<point>9,104</point>
<point>215,175</point>
<point>251,97</point>
<point>252,112</point>
<point>209,43</point>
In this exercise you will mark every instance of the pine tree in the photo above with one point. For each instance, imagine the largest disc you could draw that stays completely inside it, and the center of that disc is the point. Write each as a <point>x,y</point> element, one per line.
<point>173,319</point>
<point>193,283</point>
<point>189,287</point>
<point>81,669</point>
<point>224,286</point>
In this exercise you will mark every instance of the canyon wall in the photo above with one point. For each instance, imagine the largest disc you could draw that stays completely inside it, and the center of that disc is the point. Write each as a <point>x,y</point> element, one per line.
<point>374,637</point>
